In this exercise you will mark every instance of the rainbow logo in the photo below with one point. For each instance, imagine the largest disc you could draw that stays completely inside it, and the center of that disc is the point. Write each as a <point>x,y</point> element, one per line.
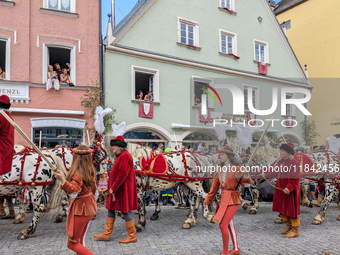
<point>209,93</point>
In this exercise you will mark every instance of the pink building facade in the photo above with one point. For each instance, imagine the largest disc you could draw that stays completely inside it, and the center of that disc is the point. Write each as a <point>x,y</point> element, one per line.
<point>33,35</point>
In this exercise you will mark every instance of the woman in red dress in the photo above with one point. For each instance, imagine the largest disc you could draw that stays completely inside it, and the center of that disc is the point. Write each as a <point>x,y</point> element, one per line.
<point>227,179</point>
<point>122,192</point>
<point>80,186</point>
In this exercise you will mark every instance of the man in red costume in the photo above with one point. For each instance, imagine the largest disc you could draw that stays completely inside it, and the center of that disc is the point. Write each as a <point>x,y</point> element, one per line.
<point>6,152</point>
<point>122,188</point>
<point>287,195</point>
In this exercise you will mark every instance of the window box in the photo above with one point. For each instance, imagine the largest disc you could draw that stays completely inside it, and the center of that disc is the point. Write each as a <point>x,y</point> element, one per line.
<point>7,3</point>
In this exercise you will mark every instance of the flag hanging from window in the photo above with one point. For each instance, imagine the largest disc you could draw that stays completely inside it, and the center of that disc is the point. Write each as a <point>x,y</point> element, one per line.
<point>262,68</point>
<point>251,118</point>
<point>289,121</point>
<point>145,110</point>
<point>205,117</point>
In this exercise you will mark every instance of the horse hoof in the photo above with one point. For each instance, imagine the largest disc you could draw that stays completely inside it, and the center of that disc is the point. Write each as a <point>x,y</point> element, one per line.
<point>22,236</point>
<point>139,228</point>
<point>245,206</point>
<point>17,221</point>
<point>58,219</point>
<point>252,212</point>
<point>278,221</point>
<point>310,205</point>
<point>154,216</point>
<point>316,222</point>
<point>186,225</point>
<point>338,218</point>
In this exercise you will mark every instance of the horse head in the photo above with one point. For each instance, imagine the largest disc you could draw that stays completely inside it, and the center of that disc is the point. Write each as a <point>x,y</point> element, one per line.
<point>99,153</point>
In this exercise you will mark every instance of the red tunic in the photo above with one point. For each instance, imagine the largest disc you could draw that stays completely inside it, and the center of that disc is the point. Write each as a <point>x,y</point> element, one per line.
<point>288,205</point>
<point>122,181</point>
<point>6,144</point>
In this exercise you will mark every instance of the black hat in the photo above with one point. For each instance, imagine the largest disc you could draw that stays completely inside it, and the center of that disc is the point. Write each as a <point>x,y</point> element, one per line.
<point>118,141</point>
<point>289,148</point>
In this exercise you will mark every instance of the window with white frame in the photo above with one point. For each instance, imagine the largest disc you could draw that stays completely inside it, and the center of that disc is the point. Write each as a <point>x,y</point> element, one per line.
<point>200,88</point>
<point>62,54</point>
<point>261,51</point>
<point>228,42</point>
<point>229,4</point>
<point>289,107</point>
<point>5,57</point>
<point>253,95</point>
<point>188,32</point>
<point>145,80</point>
<point>61,5</point>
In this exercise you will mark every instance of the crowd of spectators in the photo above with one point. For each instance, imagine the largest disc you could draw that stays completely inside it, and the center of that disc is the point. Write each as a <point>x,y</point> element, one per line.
<point>57,75</point>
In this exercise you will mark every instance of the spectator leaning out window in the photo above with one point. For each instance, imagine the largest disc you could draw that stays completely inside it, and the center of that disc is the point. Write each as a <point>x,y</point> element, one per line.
<point>148,97</point>
<point>52,78</point>
<point>2,74</point>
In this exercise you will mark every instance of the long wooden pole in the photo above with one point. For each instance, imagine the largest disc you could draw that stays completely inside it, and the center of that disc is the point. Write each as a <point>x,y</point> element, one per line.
<point>40,139</point>
<point>54,168</point>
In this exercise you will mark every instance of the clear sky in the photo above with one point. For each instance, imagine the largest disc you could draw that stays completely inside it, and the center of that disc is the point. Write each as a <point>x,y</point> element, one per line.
<point>123,7</point>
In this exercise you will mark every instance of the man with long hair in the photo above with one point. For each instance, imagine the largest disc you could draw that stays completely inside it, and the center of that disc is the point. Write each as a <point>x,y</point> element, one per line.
<point>80,186</point>
<point>122,188</point>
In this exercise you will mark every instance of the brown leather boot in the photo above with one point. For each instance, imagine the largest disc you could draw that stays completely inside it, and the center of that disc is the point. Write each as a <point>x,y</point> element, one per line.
<point>288,226</point>
<point>131,229</point>
<point>319,201</point>
<point>2,209</point>
<point>11,214</point>
<point>295,228</point>
<point>106,235</point>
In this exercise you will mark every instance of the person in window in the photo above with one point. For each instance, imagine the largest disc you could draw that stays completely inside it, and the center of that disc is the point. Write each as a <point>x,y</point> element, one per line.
<point>197,101</point>
<point>139,95</point>
<point>65,77</point>
<point>52,79</point>
<point>148,97</point>
<point>59,71</point>
<point>2,74</point>
<point>80,185</point>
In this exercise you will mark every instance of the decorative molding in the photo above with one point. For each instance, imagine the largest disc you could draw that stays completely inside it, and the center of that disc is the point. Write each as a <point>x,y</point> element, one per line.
<point>60,37</point>
<point>57,122</point>
<point>60,13</point>
<point>15,93</point>
<point>7,3</point>
<point>48,111</point>
<point>11,30</point>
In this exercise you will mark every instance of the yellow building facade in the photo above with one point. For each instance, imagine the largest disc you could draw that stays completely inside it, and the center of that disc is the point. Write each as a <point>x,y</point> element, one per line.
<point>314,34</point>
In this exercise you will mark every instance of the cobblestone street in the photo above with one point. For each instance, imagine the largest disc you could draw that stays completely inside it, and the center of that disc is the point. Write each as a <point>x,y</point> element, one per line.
<point>257,234</point>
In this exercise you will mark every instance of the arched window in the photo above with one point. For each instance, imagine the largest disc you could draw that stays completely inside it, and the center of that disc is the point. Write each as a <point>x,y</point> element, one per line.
<point>195,138</point>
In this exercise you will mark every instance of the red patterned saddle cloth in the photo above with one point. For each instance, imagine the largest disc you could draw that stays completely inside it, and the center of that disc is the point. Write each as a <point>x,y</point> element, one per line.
<point>155,164</point>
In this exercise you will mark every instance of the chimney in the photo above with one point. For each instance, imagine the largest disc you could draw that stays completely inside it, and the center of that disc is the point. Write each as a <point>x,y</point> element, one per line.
<point>272,4</point>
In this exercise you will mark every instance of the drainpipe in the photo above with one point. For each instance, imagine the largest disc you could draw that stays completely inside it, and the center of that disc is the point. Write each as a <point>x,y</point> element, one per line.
<point>101,82</point>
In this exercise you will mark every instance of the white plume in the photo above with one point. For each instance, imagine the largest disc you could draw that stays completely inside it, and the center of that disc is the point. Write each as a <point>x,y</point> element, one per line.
<point>333,144</point>
<point>99,118</point>
<point>245,134</point>
<point>220,130</point>
<point>118,129</point>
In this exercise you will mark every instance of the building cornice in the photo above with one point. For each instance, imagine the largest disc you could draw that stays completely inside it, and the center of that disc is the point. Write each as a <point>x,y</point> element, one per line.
<point>198,65</point>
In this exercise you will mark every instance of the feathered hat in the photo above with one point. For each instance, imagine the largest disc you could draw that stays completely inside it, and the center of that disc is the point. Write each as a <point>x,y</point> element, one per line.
<point>118,131</point>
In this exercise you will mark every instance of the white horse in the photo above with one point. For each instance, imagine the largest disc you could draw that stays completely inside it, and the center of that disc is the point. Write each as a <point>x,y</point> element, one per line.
<point>35,174</point>
<point>195,168</point>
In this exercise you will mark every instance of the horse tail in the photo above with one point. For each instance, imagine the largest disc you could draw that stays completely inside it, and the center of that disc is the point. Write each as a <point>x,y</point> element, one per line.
<point>57,193</point>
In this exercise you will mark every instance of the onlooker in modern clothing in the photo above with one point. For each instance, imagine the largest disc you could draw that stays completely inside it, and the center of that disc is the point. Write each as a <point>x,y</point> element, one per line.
<point>102,185</point>
<point>2,74</point>
<point>139,95</point>
<point>148,97</point>
<point>52,78</point>
<point>65,77</point>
